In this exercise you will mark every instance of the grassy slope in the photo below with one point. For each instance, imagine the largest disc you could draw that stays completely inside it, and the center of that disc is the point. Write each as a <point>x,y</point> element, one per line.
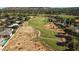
<point>47,36</point>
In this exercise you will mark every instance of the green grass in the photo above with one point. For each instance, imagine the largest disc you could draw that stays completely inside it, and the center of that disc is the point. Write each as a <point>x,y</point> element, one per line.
<point>52,43</point>
<point>67,16</point>
<point>36,22</point>
<point>47,36</point>
<point>47,33</point>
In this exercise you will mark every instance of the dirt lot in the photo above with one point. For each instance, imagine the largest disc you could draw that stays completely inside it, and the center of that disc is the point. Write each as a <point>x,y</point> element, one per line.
<point>53,27</point>
<point>25,39</point>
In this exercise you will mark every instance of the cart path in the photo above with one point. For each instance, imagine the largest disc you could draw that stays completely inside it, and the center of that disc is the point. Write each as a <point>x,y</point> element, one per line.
<point>25,39</point>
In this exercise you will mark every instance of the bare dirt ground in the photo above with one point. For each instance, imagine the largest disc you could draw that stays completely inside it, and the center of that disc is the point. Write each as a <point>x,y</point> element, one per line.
<point>25,39</point>
<point>54,28</point>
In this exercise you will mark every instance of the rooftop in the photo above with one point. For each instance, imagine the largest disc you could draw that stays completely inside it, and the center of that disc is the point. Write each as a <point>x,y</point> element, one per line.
<point>6,32</point>
<point>77,20</point>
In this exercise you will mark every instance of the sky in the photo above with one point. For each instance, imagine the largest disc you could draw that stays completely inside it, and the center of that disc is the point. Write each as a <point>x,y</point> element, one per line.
<point>39,3</point>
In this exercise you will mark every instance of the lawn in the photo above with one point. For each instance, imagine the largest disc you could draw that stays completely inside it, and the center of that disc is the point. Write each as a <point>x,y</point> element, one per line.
<point>46,36</point>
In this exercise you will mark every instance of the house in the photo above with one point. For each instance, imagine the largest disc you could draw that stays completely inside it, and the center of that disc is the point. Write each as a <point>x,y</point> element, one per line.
<point>76,25</point>
<point>5,35</point>
<point>1,28</point>
<point>76,21</point>
<point>3,20</point>
<point>52,19</point>
<point>7,31</point>
<point>14,26</point>
<point>18,22</point>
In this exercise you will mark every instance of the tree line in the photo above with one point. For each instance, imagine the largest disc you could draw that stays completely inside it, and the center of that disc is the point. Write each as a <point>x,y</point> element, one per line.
<point>42,10</point>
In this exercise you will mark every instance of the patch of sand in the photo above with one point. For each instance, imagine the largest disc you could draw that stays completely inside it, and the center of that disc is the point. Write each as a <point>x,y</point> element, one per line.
<point>25,39</point>
<point>53,27</point>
